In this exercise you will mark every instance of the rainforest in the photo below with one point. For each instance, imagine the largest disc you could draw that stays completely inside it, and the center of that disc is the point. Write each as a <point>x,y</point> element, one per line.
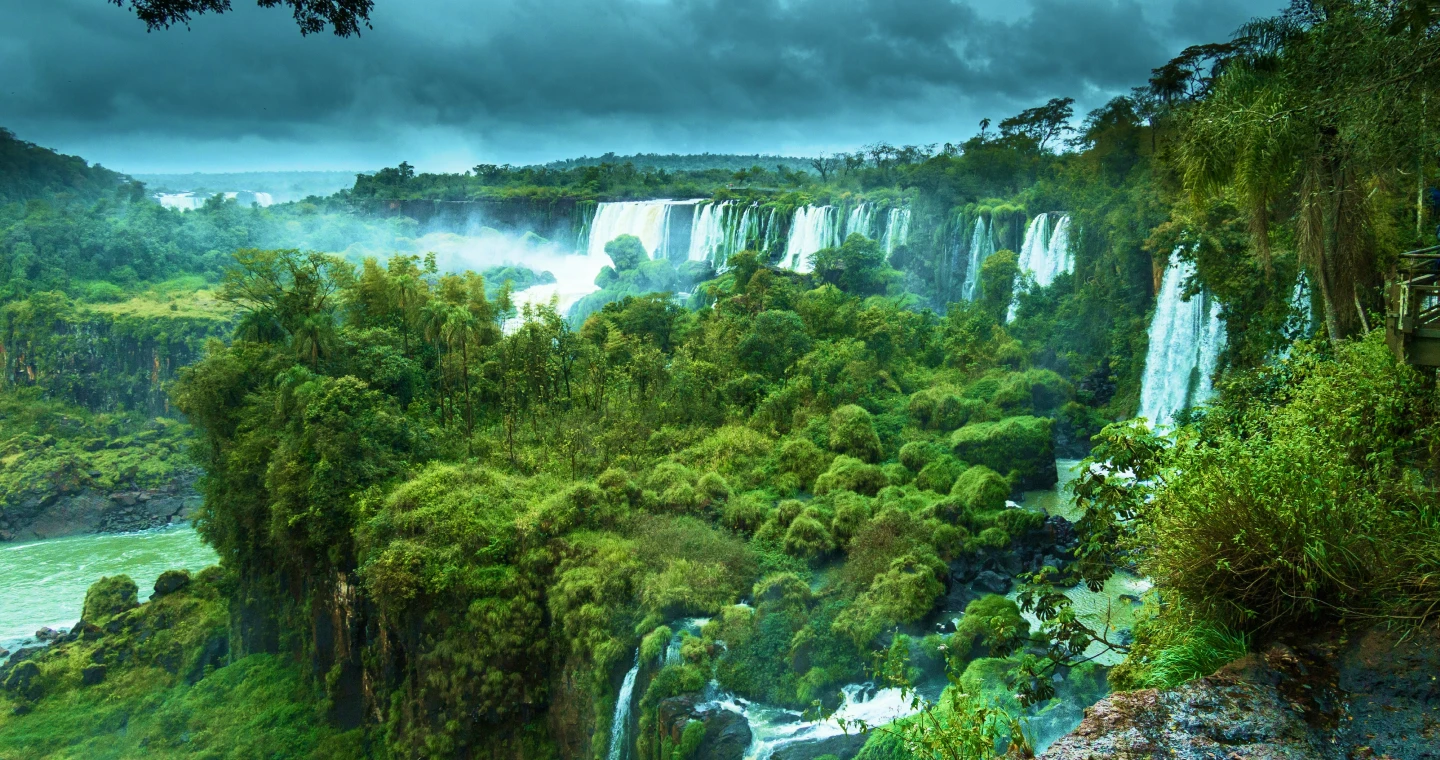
<point>1106,431</point>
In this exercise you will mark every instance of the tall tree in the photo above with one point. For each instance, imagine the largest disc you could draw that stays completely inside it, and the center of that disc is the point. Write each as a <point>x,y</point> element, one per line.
<point>345,17</point>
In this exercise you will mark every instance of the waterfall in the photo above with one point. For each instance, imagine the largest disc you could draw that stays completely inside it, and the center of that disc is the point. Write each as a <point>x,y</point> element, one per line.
<point>981,246</point>
<point>264,199</point>
<point>859,221</point>
<point>897,229</point>
<point>1301,322</point>
<point>1044,255</point>
<point>814,228</point>
<point>1185,341</point>
<point>772,230</point>
<point>647,220</point>
<point>708,234</point>
<point>621,722</point>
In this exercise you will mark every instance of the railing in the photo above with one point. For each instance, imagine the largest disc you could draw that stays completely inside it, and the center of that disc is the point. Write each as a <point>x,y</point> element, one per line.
<point>1412,308</point>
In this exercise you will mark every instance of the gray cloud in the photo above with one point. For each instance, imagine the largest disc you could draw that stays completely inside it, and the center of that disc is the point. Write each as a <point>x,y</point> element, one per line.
<point>445,83</point>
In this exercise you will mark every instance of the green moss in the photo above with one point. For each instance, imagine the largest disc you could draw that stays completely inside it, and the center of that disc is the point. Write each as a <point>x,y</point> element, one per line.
<point>852,433</point>
<point>1015,444</point>
<point>850,474</point>
<point>109,597</point>
<point>980,489</point>
<point>940,474</point>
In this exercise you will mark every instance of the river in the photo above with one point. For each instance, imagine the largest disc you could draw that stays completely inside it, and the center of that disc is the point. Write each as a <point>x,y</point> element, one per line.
<point>44,582</point>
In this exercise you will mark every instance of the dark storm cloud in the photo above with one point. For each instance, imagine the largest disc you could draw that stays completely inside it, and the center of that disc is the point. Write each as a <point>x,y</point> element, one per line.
<point>512,78</point>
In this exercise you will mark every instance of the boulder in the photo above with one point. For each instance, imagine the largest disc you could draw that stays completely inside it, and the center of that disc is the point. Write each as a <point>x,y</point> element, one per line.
<point>727,734</point>
<point>843,747</point>
<point>23,680</point>
<point>92,674</point>
<point>991,582</point>
<point>170,581</point>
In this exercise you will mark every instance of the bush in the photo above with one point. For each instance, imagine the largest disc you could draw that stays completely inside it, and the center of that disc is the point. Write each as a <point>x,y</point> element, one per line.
<point>808,537</point>
<point>991,624</point>
<point>980,489</point>
<point>109,597</point>
<point>804,459</point>
<point>1170,650</point>
<point>939,476</point>
<point>1021,445</point>
<point>916,454</point>
<point>850,474</point>
<point>904,593</point>
<point>943,408</point>
<point>851,512</point>
<point>745,513</point>
<point>897,474</point>
<point>852,432</point>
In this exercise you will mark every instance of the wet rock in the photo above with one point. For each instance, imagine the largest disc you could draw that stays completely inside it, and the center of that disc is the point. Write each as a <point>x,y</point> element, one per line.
<point>170,581</point>
<point>49,635</point>
<point>92,675</point>
<point>23,680</point>
<point>4,653</point>
<point>843,747</point>
<point>991,582</point>
<point>727,734</point>
<point>1330,698</point>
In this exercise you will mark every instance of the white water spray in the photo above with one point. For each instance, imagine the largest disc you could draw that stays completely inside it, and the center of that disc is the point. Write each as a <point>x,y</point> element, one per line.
<point>1185,342</point>
<point>619,724</point>
<point>981,246</point>
<point>814,229</point>
<point>897,229</point>
<point>647,220</point>
<point>860,220</point>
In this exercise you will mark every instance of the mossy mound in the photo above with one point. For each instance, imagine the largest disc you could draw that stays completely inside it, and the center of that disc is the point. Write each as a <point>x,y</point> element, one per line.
<point>1021,446</point>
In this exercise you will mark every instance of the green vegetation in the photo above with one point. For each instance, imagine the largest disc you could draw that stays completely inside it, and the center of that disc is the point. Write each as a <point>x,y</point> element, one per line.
<point>449,532</point>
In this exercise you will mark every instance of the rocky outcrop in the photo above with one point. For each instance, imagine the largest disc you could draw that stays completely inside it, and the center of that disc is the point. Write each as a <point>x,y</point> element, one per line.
<point>727,734</point>
<point>54,514</point>
<point>1375,695</point>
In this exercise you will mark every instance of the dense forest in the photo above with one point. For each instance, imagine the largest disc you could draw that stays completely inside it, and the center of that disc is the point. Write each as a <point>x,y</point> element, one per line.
<point>451,525</point>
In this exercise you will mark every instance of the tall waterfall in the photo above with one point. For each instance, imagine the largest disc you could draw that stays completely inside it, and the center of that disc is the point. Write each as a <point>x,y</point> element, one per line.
<point>1045,255</point>
<point>1301,323</point>
<point>814,228</point>
<point>621,722</point>
<point>1185,342</point>
<point>981,246</point>
<point>860,220</point>
<point>897,229</point>
<point>647,220</point>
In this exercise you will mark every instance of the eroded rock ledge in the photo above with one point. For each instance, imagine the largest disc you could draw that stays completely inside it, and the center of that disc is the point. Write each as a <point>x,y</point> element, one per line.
<point>1375,694</point>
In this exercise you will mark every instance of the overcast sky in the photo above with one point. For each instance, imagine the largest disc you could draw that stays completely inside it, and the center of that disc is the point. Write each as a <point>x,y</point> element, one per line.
<point>446,84</point>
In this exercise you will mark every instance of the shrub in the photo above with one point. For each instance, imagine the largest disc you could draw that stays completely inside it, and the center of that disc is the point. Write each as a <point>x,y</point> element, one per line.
<point>745,513</point>
<point>939,476</point>
<point>1015,444</point>
<point>1170,650</point>
<point>1018,522</point>
<point>897,474</point>
<point>943,408</point>
<point>850,474</point>
<point>851,512</point>
<point>991,623</point>
<point>807,537</point>
<point>890,534</point>
<point>980,489</point>
<point>109,597</point>
<point>916,454</point>
<point>993,538</point>
<point>804,459</point>
<point>904,593</point>
<point>852,432</point>
<point>713,487</point>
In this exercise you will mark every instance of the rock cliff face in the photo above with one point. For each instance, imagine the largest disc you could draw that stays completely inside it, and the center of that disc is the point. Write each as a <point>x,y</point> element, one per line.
<point>87,510</point>
<point>1342,697</point>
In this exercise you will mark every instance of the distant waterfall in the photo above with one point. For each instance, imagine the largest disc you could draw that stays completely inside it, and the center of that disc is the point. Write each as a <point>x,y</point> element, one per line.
<point>814,229</point>
<point>1044,255</point>
<point>860,220</point>
<point>647,220</point>
<point>621,722</point>
<point>1301,323</point>
<point>1185,342</point>
<point>897,229</point>
<point>264,199</point>
<point>981,246</point>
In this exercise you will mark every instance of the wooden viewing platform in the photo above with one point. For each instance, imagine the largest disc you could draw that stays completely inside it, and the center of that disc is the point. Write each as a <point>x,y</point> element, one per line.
<point>1412,308</point>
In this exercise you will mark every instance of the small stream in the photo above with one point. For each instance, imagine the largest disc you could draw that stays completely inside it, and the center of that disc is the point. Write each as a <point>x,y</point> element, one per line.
<point>44,582</point>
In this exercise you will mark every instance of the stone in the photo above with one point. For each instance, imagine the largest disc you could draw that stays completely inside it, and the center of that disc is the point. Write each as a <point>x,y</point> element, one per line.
<point>843,746</point>
<point>991,582</point>
<point>170,581</point>
<point>22,679</point>
<point>4,653</point>
<point>48,634</point>
<point>92,674</point>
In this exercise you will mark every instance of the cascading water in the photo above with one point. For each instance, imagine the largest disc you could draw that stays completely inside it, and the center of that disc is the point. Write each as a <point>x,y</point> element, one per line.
<point>647,220</point>
<point>981,246</point>
<point>814,228</point>
<point>859,221</point>
<point>1185,341</point>
<point>897,229</point>
<point>708,234</point>
<point>772,728</point>
<point>1044,255</point>
<point>1301,323</point>
<point>620,723</point>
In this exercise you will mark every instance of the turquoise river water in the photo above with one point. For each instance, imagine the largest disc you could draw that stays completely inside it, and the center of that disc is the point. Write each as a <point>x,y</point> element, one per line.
<point>43,583</point>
